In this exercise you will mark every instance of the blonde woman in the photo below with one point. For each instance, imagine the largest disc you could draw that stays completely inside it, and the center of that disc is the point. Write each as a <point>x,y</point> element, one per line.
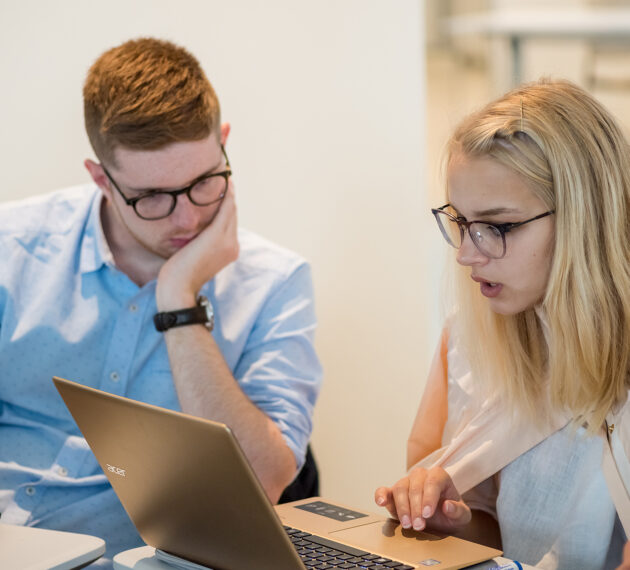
<point>522,436</point>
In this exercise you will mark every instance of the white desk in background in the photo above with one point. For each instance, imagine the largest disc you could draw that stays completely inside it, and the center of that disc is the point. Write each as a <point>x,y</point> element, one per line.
<point>601,24</point>
<point>40,549</point>
<point>143,558</point>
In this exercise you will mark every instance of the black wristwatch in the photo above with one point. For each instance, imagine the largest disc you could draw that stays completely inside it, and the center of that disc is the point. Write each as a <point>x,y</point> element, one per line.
<point>202,314</point>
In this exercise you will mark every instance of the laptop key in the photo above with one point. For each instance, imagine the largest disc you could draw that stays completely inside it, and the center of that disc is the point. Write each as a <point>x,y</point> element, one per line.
<point>324,549</point>
<point>321,553</point>
<point>338,546</point>
<point>335,553</point>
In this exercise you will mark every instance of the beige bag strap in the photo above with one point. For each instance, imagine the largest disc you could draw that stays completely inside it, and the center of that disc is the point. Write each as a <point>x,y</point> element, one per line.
<point>616,487</point>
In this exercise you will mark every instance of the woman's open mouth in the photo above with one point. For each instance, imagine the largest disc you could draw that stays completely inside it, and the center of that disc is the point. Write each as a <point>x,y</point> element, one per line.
<point>488,288</point>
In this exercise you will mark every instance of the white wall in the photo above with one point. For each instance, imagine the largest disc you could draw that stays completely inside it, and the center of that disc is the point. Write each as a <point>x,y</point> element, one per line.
<point>326,101</point>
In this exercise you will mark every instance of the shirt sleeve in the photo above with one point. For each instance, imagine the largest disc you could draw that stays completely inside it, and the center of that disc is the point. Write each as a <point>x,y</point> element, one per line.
<point>279,369</point>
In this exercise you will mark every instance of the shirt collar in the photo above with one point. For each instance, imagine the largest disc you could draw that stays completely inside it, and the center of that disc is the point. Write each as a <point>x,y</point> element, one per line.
<point>95,251</point>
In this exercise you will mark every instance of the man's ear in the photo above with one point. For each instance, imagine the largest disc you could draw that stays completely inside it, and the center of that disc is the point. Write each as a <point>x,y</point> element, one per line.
<point>98,175</point>
<point>225,131</point>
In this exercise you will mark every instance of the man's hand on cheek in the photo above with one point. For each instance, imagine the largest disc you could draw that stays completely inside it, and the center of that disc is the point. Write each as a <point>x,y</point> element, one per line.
<point>182,276</point>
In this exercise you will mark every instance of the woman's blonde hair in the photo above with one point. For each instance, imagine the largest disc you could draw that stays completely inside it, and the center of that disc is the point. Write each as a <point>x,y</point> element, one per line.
<point>576,160</point>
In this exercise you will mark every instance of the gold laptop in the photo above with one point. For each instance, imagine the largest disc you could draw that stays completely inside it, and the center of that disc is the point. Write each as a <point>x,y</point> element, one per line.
<point>189,490</point>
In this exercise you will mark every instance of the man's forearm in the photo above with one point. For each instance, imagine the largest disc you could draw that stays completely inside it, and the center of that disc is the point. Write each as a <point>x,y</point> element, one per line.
<point>206,388</point>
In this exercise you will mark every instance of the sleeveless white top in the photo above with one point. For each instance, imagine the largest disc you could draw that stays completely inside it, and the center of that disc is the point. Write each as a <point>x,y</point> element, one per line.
<point>552,502</point>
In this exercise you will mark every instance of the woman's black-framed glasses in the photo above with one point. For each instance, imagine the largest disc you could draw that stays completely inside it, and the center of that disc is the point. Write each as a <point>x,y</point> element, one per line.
<point>157,204</point>
<point>488,238</point>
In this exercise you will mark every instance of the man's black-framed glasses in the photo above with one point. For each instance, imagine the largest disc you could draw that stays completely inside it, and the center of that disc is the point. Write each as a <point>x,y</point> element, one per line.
<point>157,204</point>
<point>488,238</point>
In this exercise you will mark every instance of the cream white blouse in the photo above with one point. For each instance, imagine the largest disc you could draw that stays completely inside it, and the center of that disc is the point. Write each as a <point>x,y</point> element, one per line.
<point>544,484</point>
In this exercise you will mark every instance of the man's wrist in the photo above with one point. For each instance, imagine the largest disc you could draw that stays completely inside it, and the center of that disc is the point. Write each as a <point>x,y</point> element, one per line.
<point>174,298</point>
<point>202,313</point>
<point>176,303</point>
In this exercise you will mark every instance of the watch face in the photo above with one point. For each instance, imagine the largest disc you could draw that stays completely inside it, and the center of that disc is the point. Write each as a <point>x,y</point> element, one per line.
<point>203,302</point>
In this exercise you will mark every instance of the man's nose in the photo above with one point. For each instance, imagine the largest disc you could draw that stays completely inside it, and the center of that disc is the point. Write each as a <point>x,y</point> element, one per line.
<point>186,214</point>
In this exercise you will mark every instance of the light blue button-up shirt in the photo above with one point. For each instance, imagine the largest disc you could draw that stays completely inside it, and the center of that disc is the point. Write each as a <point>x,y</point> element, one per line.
<point>66,310</point>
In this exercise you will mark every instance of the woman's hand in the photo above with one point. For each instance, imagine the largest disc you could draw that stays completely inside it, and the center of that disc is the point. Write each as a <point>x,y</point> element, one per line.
<point>625,563</point>
<point>426,499</point>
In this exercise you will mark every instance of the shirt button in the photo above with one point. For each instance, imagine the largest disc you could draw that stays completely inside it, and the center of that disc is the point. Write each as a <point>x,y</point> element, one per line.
<point>30,491</point>
<point>114,376</point>
<point>133,308</point>
<point>62,471</point>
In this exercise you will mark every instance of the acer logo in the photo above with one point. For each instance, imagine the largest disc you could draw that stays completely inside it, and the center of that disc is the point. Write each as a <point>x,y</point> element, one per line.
<point>116,470</point>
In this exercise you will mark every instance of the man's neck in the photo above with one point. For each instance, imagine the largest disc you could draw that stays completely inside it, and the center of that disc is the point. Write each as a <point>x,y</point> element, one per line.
<point>130,257</point>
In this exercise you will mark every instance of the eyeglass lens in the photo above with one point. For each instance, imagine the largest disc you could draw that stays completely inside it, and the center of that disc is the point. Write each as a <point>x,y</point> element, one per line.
<point>160,204</point>
<point>486,237</point>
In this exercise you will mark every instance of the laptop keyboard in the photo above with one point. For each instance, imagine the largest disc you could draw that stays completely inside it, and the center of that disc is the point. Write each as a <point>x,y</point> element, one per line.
<point>319,553</point>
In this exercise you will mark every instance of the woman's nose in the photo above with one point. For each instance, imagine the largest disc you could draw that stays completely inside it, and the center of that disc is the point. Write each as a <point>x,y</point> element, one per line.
<point>468,253</point>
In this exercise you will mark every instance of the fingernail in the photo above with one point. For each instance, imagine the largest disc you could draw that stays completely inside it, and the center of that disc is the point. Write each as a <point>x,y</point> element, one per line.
<point>418,524</point>
<point>426,512</point>
<point>405,521</point>
<point>450,507</point>
<point>380,501</point>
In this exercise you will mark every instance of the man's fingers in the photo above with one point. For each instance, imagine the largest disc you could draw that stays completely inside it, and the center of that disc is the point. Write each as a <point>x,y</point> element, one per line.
<point>226,213</point>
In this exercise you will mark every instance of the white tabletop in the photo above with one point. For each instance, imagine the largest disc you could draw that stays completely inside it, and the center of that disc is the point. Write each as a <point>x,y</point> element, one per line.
<point>39,549</point>
<point>143,558</point>
<point>540,22</point>
<point>602,24</point>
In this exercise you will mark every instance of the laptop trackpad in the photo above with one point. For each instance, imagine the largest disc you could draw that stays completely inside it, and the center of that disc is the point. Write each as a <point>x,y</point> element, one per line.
<point>390,539</point>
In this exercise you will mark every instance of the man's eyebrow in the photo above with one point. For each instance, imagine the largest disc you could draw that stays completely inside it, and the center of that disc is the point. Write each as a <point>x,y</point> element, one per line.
<point>150,189</point>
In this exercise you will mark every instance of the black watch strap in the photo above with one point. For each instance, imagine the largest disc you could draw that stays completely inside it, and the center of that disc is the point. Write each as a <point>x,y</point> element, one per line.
<point>202,314</point>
